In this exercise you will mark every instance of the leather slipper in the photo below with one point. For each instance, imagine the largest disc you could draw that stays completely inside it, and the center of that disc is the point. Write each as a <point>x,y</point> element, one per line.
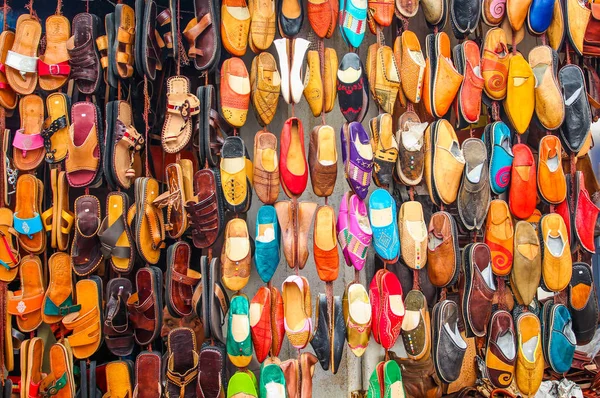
<point>149,224</point>
<point>174,200</point>
<point>28,143</point>
<point>21,60</point>
<point>115,235</point>
<point>58,220</point>
<point>27,220</point>
<point>8,97</point>
<point>203,36</point>
<point>56,127</point>
<point>86,323</point>
<point>84,151</point>
<point>85,61</point>
<point>181,106</point>
<point>9,246</point>
<point>58,300</point>
<point>117,330</point>
<point>181,280</point>
<point>123,45</point>
<point>148,368</point>
<point>53,65</point>
<point>145,305</point>
<point>59,383</point>
<point>26,304</point>
<point>86,253</point>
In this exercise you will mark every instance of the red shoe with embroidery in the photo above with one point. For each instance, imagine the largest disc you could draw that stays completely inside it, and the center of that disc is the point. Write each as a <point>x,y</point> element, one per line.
<point>260,323</point>
<point>293,168</point>
<point>323,16</point>
<point>392,309</point>
<point>586,214</point>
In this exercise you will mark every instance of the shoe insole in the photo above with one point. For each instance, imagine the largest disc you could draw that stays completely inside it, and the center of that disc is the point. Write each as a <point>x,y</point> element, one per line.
<point>474,175</point>
<point>360,4</point>
<point>456,152</point>
<point>412,136</point>
<point>411,320</point>
<point>360,307</point>
<point>115,211</point>
<point>291,9</point>
<point>233,165</point>
<point>455,335</point>
<point>269,160</point>
<point>506,342</point>
<point>555,245</point>
<point>256,310</point>
<point>363,223</point>
<point>266,233</point>
<point>381,217</point>
<point>239,84</point>
<point>364,150</point>
<point>553,163</point>
<point>433,242</point>
<point>325,236</point>
<point>488,276</point>
<point>396,304</point>
<point>349,75</point>
<point>238,248</point>
<point>568,332</point>
<point>417,230</point>
<point>538,73</point>
<point>296,163</point>
<point>417,57</point>
<point>240,327</point>
<point>529,348</point>
<point>505,143</point>
<point>580,294</point>
<point>327,154</point>
<point>274,390</point>
<point>293,300</point>
<point>239,13</point>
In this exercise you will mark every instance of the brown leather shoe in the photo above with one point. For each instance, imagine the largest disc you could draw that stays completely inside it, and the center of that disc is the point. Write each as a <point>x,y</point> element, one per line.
<point>322,160</point>
<point>409,166</point>
<point>295,220</point>
<point>442,250</point>
<point>266,167</point>
<point>236,255</point>
<point>527,263</point>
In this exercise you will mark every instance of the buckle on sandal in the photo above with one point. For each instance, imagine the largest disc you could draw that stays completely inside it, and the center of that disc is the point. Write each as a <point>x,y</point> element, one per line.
<point>184,109</point>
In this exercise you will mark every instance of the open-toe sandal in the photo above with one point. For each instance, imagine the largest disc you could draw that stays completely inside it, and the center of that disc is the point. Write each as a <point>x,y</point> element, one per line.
<point>26,304</point>
<point>53,65</point>
<point>28,144</point>
<point>117,330</point>
<point>145,305</point>
<point>181,106</point>
<point>149,223</point>
<point>21,60</point>
<point>174,200</point>
<point>85,61</point>
<point>9,246</point>
<point>86,253</point>
<point>114,234</point>
<point>27,219</point>
<point>8,97</point>
<point>58,300</point>
<point>56,127</point>
<point>181,279</point>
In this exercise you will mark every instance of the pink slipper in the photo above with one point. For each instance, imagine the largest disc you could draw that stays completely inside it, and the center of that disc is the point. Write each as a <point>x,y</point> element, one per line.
<point>354,230</point>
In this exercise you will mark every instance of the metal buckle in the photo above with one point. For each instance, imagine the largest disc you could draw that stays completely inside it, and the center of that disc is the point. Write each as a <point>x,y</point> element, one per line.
<point>54,69</point>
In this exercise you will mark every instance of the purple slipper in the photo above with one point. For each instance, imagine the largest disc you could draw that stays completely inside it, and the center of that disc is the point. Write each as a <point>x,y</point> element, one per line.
<point>357,168</point>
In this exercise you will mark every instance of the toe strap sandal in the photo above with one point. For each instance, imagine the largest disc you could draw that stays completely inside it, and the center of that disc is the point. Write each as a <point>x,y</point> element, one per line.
<point>174,201</point>
<point>149,223</point>
<point>8,97</point>
<point>28,142</point>
<point>22,59</point>
<point>182,363</point>
<point>60,379</point>
<point>27,219</point>
<point>56,128</point>
<point>181,106</point>
<point>145,306</point>
<point>58,220</point>
<point>117,329</point>
<point>9,246</point>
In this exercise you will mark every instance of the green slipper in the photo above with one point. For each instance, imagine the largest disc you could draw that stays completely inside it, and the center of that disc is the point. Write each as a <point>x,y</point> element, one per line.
<point>272,381</point>
<point>394,388</point>
<point>375,382</point>
<point>239,340</point>
<point>242,385</point>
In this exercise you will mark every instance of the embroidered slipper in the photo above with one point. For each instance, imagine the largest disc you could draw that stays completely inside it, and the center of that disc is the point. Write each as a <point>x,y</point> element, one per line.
<point>21,59</point>
<point>115,235</point>
<point>53,65</point>
<point>58,220</point>
<point>9,246</point>
<point>27,220</point>
<point>8,97</point>
<point>28,151</point>
<point>354,231</point>
<point>174,201</point>
<point>181,280</point>
<point>58,300</point>
<point>59,383</point>
<point>56,127</point>
<point>145,305</point>
<point>149,225</point>
<point>86,253</point>
<point>117,330</point>
<point>357,155</point>
<point>86,323</point>
<point>85,61</point>
<point>26,304</point>
<point>83,160</point>
<point>181,106</point>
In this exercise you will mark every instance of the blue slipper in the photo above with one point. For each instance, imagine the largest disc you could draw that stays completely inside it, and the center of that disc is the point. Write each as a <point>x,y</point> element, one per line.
<point>498,142</point>
<point>353,17</point>
<point>266,257</point>
<point>382,215</point>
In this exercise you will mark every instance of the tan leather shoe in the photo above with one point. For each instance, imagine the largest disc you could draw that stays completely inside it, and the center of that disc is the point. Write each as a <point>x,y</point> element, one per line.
<point>262,24</point>
<point>266,167</point>
<point>322,160</point>
<point>386,82</point>
<point>557,264</point>
<point>413,234</point>
<point>266,83</point>
<point>306,211</point>
<point>330,79</point>
<point>527,263</point>
<point>235,26</point>
<point>313,84</point>
<point>413,65</point>
<point>435,11</point>
<point>236,256</point>
<point>577,16</point>
<point>530,361</point>
<point>551,181</point>
<point>516,11</point>
<point>556,30</point>
<point>549,107</point>
<point>520,93</point>
<point>295,220</point>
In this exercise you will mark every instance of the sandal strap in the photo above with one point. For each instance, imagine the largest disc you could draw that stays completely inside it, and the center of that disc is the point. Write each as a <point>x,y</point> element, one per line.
<point>65,308</point>
<point>109,237</point>
<point>19,306</point>
<point>58,69</point>
<point>51,386</point>
<point>47,133</point>
<point>23,63</point>
<point>186,279</point>
<point>28,226</point>
<point>113,307</point>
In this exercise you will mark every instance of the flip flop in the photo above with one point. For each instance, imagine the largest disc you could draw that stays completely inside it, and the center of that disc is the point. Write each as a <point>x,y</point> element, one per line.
<point>149,226</point>
<point>28,151</point>
<point>26,304</point>
<point>21,59</point>
<point>84,151</point>
<point>174,201</point>
<point>53,65</point>
<point>115,235</point>
<point>181,106</point>
<point>9,246</point>
<point>59,383</point>
<point>86,323</point>
<point>8,97</point>
<point>56,127</point>
<point>27,220</point>
<point>123,46</point>
<point>86,252</point>
<point>58,300</point>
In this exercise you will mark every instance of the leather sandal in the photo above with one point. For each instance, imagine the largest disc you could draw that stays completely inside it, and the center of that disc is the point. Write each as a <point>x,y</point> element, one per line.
<point>84,150</point>
<point>85,61</point>
<point>174,200</point>
<point>124,40</point>
<point>88,388</point>
<point>26,304</point>
<point>215,128</point>
<point>181,280</point>
<point>148,370</point>
<point>149,223</point>
<point>28,151</point>
<point>58,220</point>
<point>117,330</point>
<point>59,383</point>
<point>9,246</point>
<point>56,127</point>
<point>151,45</point>
<point>203,36</point>
<point>86,253</point>
<point>114,234</point>
<point>123,162</point>
<point>182,363</point>
<point>32,354</point>
<point>119,379</point>
<point>181,106</point>
<point>145,305</point>
<point>27,220</point>
<point>22,58</point>
<point>8,97</point>
<point>205,210</point>
<point>53,65</point>
<point>104,44</point>
<point>58,300</point>
<point>219,303</point>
